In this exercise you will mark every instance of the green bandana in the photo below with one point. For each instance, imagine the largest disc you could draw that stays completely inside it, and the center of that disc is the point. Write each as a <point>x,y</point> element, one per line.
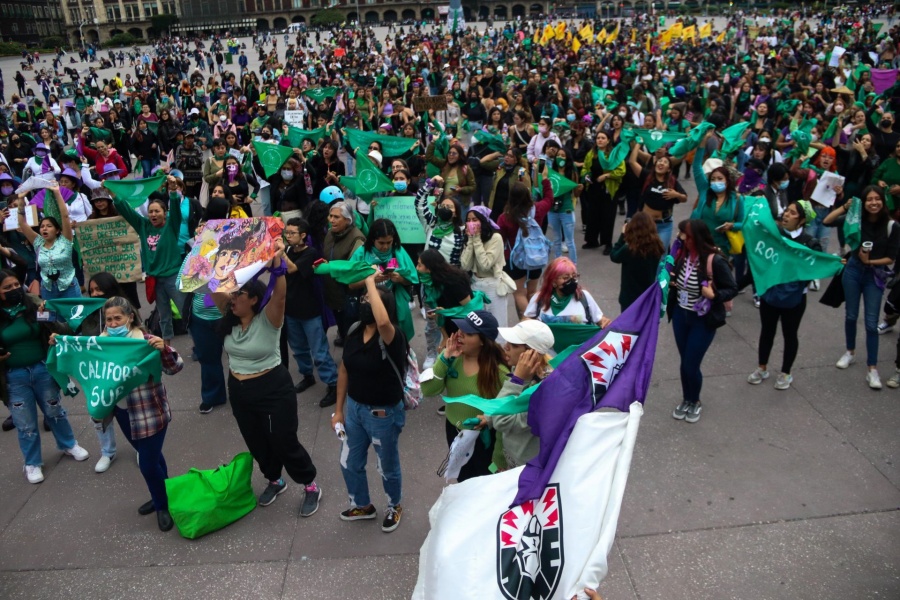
<point>442,229</point>
<point>75,310</point>
<point>15,310</point>
<point>557,304</point>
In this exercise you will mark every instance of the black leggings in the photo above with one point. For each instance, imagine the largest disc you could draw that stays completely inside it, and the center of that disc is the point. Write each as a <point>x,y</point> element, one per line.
<point>601,218</point>
<point>790,325</point>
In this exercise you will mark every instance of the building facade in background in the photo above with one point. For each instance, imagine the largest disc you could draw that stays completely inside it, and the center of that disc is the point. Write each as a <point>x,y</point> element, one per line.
<point>28,21</point>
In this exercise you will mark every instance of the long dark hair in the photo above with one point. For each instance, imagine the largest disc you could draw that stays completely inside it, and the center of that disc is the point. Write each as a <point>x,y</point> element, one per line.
<point>703,239</point>
<point>390,305</point>
<point>254,289</point>
<point>519,203</point>
<point>379,229</point>
<point>107,284</point>
<point>883,214</point>
<point>487,230</point>
<point>490,357</point>
<point>729,185</point>
<point>442,272</point>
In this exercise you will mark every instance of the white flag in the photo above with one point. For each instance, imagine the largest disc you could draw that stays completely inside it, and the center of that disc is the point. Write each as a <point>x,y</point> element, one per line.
<point>36,182</point>
<point>551,547</point>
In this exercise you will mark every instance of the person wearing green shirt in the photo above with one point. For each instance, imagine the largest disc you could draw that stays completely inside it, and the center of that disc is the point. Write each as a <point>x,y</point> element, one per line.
<point>471,363</point>
<point>161,249</point>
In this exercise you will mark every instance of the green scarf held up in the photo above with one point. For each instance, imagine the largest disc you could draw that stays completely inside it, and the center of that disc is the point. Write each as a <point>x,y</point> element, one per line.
<point>654,139</point>
<point>430,292</point>
<point>557,304</point>
<point>75,310</point>
<point>852,222</point>
<point>345,271</point>
<point>615,158</point>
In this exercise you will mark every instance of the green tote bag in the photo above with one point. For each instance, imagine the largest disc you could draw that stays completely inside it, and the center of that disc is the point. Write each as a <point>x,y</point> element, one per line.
<point>203,501</point>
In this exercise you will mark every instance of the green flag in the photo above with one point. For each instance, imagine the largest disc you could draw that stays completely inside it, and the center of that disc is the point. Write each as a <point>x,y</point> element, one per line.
<point>391,146</point>
<point>775,259</point>
<point>599,94</point>
<point>100,134</point>
<point>852,220</point>
<point>734,138</point>
<point>74,310</point>
<point>692,140</point>
<point>491,140</point>
<point>561,185</point>
<point>571,334</point>
<point>830,132</point>
<point>369,179</point>
<point>296,136</point>
<point>134,191</point>
<point>615,158</point>
<point>107,368</point>
<point>153,126</point>
<point>345,271</point>
<point>787,107</point>
<point>272,156</point>
<point>320,94</point>
<point>655,139</point>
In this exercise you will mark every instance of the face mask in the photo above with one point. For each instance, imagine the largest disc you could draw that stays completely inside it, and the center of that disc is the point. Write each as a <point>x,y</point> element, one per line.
<point>443,213</point>
<point>838,109</point>
<point>887,124</point>
<point>15,297</point>
<point>570,118</point>
<point>366,316</point>
<point>120,331</point>
<point>471,227</point>
<point>287,174</point>
<point>6,190</point>
<point>232,169</point>
<point>784,184</point>
<point>569,287</point>
<point>17,141</point>
<point>223,118</point>
<point>265,135</point>
<point>561,162</point>
<point>542,129</point>
<point>400,186</point>
<point>623,114</point>
<point>717,186</point>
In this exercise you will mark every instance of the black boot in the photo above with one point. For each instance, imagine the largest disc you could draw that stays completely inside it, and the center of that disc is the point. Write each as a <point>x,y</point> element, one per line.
<point>330,398</point>
<point>146,508</point>
<point>304,384</point>
<point>164,520</point>
<point>8,424</point>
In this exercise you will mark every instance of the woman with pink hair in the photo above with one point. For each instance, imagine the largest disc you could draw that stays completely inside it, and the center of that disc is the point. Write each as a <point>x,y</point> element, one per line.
<point>561,299</point>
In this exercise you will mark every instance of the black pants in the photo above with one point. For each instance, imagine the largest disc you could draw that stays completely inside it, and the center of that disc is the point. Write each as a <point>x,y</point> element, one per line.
<point>601,218</point>
<point>481,459</point>
<point>790,325</point>
<point>265,409</point>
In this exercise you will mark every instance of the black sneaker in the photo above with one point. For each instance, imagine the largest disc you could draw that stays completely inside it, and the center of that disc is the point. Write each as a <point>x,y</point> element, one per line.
<point>681,410</point>
<point>693,413</point>
<point>8,424</point>
<point>330,398</point>
<point>607,249</point>
<point>359,513</point>
<point>392,518</point>
<point>304,384</point>
<point>589,245</point>
<point>442,410</point>
<point>338,342</point>
<point>311,500</point>
<point>205,408</point>
<point>272,490</point>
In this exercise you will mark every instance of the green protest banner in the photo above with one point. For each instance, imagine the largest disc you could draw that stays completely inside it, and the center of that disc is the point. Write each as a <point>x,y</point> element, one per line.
<point>110,245</point>
<point>134,191</point>
<point>369,179</point>
<point>107,368</point>
<point>74,310</point>
<point>401,211</point>
<point>775,259</point>
<point>271,156</point>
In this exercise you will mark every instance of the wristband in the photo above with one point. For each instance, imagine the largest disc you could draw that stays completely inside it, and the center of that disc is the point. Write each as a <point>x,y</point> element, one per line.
<point>513,378</point>
<point>278,271</point>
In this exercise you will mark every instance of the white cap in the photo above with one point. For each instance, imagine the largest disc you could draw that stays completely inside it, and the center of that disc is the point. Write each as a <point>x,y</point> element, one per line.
<point>534,334</point>
<point>193,111</point>
<point>376,155</point>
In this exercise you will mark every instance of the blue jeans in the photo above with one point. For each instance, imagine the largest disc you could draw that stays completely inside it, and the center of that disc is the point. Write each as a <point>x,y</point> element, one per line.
<point>106,439</point>
<point>147,165</point>
<point>693,339</point>
<point>859,280</point>
<point>30,388</point>
<point>208,347</point>
<point>664,231</point>
<point>167,289</point>
<point>818,229</point>
<point>150,460</point>
<point>73,291</point>
<point>307,340</point>
<point>383,433</point>
<point>563,226</point>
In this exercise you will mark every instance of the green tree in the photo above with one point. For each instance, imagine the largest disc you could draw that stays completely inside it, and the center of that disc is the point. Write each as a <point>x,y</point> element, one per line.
<point>161,23</point>
<point>329,16</point>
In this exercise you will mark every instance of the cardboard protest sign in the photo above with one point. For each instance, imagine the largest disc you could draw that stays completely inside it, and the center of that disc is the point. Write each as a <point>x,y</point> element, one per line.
<point>401,210</point>
<point>228,253</point>
<point>12,221</point>
<point>294,118</point>
<point>110,245</point>
<point>423,103</point>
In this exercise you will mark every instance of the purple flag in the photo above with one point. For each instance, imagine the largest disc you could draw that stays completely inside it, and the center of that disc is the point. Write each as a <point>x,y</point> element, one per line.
<point>882,79</point>
<point>612,369</point>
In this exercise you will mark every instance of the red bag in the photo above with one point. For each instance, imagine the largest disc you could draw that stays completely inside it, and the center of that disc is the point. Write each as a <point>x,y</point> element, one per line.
<point>150,284</point>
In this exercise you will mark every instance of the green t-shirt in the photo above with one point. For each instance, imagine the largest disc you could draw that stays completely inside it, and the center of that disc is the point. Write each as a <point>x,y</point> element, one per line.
<point>255,349</point>
<point>565,205</point>
<point>23,342</point>
<point>160,245</point>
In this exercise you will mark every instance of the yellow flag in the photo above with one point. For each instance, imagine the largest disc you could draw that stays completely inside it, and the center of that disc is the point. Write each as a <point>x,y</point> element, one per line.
<point>576,45</point>
<point>706,30</point>
<point>537,36</point>
<point>689,33</point>
<point>548,35</point>
<point>720,38</point>
<point>612,37</point>
<point>561,31</point>
<point>665,39</point>
<point>587,33</point>
<point>633,35</point>
<point>648,43</point>
<point>676,30</point>
<point>601,37</point>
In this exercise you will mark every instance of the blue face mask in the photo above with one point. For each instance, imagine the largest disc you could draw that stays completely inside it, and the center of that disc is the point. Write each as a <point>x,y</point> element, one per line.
<point>570,118</point>
<point>400,186</point>
<point>784,184</point>
<point>717,186</point>
<point>120,331</point>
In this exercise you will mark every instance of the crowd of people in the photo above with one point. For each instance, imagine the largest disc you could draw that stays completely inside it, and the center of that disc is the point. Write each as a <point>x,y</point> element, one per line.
<point>499,140</point>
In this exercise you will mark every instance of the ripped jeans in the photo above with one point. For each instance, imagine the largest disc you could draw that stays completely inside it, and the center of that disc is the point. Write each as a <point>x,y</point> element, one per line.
<point>383,433</point>
<point>29,388</point>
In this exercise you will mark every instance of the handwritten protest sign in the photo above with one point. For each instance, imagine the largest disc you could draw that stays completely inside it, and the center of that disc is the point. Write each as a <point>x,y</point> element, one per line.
<point>423,103</point>
<point>295,118</point>
<point>12,221</point>
<point>228,253</point>
<point>110,245</point>
<point>401,210</point>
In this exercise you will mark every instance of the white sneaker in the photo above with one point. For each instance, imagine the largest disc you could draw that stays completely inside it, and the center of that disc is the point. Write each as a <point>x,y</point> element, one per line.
<point>757,376</point>
<point>429,362</point>
<point>884,327</point>
<point>814,285</point>
<point>894,380</point>
<point>873,379</point>
<point>78,453</point>
<point>34,474</point>
<point>846,360</point>
<point>103,464</point>
<point>784,381</point>
<point>565,248</point>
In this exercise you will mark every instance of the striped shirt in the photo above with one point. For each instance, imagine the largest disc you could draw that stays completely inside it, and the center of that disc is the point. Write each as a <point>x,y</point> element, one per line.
<point>688,284</point>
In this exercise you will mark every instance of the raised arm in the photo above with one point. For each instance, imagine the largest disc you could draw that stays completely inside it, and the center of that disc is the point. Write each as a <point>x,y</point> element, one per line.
<point>275,308</point>
<point>382,320</point>
<point>63,212</point>
<point>24,228</point>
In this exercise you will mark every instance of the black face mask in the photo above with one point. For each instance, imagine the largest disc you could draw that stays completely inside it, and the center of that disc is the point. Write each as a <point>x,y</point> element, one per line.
<point>569,287</point>
<point>887,124</point>
<point>366,316</point>
<point>14,297</point>
<point>443,213</point>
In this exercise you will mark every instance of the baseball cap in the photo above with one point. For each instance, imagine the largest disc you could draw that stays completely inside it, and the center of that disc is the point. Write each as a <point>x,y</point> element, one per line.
<point>532,333</point>
<point>479,321</point>
<point>193,111</point>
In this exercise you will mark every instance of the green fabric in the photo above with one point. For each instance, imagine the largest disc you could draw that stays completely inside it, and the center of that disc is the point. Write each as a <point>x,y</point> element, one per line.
<point>655,139</point>
<point>391,146</point>
<point>459,312</point>
<point>561,185</point>
<point>320,94</point>
<point>153,126</point>
<point>775,259</point>
<point>272,156</point>
<point>201,502</point>
<point>614,159</point>
<point>407,270</point>
<point>733,138</point>
<point>107,368</point>
<point>345,271</point>
<point>569,334</point>
<point>75,310</point>
<point>493,141</point>
<point>801,140</point>
<point>23,341</point>
<point>166,258</point>
<point>134,191</point>
<point>557,304</point>
<point>369,179</point>
<point>830,132</point>
<point>692,140</point>
<point>852,221</point>
<point>787,107</point>
<point>296,136</point>
<point>100,135</point>
<point>599,94</point>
